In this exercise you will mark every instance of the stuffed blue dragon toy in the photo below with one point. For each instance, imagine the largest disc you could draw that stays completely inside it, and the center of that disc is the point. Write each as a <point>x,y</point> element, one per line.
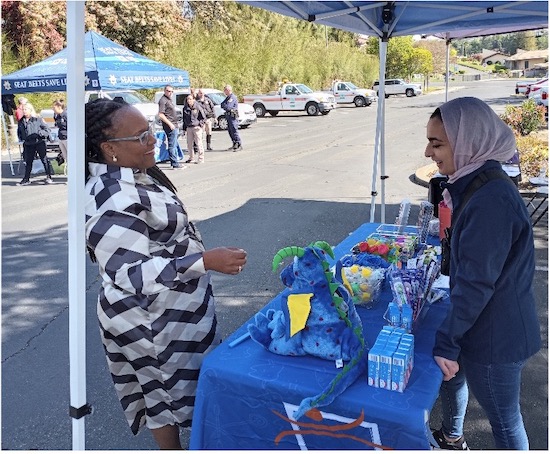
<point>317,318</point>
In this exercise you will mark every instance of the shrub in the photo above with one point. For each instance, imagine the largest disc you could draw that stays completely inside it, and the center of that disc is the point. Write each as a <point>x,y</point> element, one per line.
<point>533,155</point>
<point>525,118</point>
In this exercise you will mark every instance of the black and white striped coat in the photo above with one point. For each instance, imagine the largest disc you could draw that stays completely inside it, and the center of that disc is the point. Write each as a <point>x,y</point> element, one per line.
<point>156,308</point>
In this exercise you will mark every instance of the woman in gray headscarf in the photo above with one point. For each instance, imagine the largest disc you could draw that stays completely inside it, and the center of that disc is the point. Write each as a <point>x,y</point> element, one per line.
<point>492,326</point>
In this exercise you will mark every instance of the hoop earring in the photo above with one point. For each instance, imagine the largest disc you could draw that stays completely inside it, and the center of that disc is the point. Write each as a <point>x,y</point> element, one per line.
<point>114,158</point>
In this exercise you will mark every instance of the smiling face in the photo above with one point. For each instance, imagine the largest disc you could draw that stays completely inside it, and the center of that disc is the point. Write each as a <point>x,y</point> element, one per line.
<point>129,122</point>
<point>439,148</point>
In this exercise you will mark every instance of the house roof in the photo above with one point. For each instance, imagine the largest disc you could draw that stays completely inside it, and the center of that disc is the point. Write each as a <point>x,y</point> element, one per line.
<point>486,53</point>
<point>529,55</point>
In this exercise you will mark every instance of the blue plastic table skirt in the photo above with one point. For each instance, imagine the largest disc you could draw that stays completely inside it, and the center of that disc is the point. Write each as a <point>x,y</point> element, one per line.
<point>246,395</point>
<point>161,148</point>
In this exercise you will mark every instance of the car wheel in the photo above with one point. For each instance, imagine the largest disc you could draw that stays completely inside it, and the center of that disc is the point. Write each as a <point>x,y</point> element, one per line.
<point>244,126</point>
<point>222,123</point>
<point>259,109</point>
<point>312,109</point>
<point>359,101</point>
<point>409,92</point>
<point>386,95</point>
<point>273,113</point>
<point>325,112</point>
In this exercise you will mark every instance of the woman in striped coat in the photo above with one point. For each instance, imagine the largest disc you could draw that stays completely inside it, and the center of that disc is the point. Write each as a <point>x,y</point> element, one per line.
<point>156,305</point>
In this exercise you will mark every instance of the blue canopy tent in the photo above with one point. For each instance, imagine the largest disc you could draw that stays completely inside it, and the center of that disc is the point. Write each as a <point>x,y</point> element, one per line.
<point>107,66</point>
<point>444,19</point>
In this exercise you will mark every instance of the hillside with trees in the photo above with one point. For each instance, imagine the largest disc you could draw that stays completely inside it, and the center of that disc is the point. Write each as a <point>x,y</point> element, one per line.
<point>221,42</point>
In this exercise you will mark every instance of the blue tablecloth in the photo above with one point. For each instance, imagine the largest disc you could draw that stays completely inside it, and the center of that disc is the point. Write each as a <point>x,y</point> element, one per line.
<point>161,149</point>
<point>246,395</point>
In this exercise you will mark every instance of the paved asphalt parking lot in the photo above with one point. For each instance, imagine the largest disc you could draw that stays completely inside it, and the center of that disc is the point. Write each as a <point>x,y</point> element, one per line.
<point>292,184</point>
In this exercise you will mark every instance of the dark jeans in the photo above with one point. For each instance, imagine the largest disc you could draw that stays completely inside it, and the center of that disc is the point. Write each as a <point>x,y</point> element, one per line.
<point>233,128</point>
<point>497,388</point>
<point>29,151</point>
<point>172,137</point>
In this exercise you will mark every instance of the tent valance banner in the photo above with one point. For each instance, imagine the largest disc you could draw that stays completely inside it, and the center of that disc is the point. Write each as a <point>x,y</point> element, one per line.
<point>108,66</point>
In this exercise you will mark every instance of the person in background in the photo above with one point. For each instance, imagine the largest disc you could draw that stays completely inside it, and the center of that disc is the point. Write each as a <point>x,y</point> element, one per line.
<point>9,106</point>
<point>19,113</point>
<point>492,326</point>
<point>156,306</point>
<point>33,132</point>
<point>231,106</point>
<point>208,107</point>
<point>193,122</point>
<point>169,118</point>
<point>60,119</point>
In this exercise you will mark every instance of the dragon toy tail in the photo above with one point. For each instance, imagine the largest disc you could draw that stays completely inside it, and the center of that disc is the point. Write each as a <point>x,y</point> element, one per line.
<point>337,386</point>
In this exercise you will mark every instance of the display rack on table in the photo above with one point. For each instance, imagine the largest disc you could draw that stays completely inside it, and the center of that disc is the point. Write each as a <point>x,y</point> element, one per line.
<point>539,201</point>
<point>247,396</point>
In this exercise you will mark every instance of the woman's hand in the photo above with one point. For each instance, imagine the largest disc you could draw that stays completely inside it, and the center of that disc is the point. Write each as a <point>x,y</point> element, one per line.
<point>447,366</point>
<point>227,260</point>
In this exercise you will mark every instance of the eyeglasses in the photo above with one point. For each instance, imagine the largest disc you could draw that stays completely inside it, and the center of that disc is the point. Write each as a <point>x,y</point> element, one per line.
<point>143,137</point>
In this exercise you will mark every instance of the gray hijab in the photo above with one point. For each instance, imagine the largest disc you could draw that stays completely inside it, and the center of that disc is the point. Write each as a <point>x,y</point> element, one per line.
<point>476,134</point>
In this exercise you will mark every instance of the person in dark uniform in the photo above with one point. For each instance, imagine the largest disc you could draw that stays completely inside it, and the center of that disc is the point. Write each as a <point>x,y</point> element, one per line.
<point>33,132</point>
<point>169,118</point>
<point>231,106</point>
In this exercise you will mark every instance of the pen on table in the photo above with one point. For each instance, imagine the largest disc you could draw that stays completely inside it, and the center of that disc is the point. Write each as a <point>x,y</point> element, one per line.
<point>239,339</point>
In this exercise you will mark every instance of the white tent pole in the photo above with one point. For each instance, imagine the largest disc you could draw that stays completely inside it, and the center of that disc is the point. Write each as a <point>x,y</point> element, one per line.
<point>379,135</point>
<point>77,246</point>
<point>7,142</point>
<point>447,53</point>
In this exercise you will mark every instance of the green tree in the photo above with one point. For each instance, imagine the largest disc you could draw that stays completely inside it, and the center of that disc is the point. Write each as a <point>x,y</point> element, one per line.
<point>35,28</point>
<point>144,27</point>
<point>38,28</point>
<point>400,51</point>
<point>420,62</point>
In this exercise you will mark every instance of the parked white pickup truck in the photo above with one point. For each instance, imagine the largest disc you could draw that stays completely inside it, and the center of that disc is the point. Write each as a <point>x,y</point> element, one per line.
<point>292,97</point>
<point>348,93</point>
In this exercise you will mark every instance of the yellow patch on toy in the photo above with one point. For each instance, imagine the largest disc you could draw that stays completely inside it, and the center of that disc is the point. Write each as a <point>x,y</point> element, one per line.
<point>299,306</point>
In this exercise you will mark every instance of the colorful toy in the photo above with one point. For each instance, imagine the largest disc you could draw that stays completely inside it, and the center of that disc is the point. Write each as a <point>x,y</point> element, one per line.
<point>317,318</point>
<point>363,275</point>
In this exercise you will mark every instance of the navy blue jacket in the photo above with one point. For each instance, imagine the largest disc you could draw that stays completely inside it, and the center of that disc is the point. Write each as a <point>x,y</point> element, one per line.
<point>230,103</point>
<point>61,123</point>
<point>193,116</point>
<point>492,319</point>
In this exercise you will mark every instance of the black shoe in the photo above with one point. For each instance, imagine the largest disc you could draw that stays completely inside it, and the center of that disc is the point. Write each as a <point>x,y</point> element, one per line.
<point>232,147</point>
<point>237,147</point>
<point>23,183</point>
<point>208,148</point>
<point>179,166</point>
<point>442,443</point>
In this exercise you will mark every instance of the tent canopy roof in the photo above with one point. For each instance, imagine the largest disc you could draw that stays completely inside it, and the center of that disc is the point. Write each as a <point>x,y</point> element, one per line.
<point>108,66</point>
<point>446,19</point>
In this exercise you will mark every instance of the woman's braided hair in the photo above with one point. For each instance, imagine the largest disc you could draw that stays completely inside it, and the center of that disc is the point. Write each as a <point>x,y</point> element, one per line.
<point>98,120</point>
